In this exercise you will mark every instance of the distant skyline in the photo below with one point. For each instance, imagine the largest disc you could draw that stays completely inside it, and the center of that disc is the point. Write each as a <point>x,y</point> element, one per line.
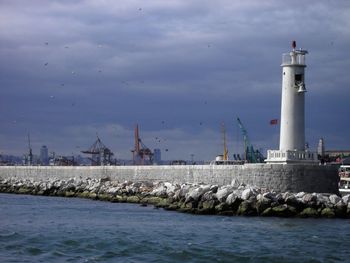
<point>72,69</point>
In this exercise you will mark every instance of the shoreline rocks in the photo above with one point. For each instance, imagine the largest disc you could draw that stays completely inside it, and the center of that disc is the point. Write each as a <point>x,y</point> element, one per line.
<point>202,199</point>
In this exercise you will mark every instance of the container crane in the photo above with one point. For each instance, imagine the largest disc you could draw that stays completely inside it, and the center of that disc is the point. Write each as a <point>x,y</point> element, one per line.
<point>100,154</point>
<point>250,155</point>
<point>141,153</point>
<point>223,159</point>
<point>225,153</point>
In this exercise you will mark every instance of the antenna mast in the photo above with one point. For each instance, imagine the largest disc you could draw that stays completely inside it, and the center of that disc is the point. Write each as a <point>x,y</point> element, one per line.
<point>30,155</point>
<point>224,139</point>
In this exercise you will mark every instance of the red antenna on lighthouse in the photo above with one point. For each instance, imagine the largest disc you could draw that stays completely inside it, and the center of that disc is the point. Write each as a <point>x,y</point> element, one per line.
<point>294,44</point>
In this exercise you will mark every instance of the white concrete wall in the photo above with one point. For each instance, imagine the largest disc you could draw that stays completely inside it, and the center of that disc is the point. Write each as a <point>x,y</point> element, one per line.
<point>278,177</point>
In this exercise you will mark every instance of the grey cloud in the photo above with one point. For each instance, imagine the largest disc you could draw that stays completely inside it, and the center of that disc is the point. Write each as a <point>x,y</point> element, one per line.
<point>184,62</point>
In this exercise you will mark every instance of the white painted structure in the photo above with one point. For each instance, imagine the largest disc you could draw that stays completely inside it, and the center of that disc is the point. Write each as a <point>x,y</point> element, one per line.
<point>292,130</point>
<point>320,147</point>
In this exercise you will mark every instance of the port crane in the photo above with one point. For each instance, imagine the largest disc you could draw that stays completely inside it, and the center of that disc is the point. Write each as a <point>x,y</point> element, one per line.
<point>250,155</point>
<point>100,154</point>
<point>225,153</point>
<point>141,154</point>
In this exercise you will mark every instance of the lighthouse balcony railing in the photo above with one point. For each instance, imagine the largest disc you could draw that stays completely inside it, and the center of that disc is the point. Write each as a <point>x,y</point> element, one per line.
<point>296,59</point>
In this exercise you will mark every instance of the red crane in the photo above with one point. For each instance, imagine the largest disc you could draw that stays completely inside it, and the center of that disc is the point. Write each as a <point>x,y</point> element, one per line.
<point>141,154</point>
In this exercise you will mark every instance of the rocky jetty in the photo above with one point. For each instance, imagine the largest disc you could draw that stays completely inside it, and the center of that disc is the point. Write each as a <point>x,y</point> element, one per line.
<point>190,198</point>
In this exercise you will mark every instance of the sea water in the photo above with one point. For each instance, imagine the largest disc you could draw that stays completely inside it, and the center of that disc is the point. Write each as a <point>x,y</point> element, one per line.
<point>54,229</point>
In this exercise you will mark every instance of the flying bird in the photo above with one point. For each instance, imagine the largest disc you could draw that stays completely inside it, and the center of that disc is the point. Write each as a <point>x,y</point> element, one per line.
<point>46,64</point>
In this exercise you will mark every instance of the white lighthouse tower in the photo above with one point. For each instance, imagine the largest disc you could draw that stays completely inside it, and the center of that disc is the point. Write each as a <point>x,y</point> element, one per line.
<point>292,131</point>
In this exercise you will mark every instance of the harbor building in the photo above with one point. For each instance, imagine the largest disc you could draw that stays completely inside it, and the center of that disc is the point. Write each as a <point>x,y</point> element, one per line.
<point>44,155</point>
<point>321,148</point>
<point>157,157</point>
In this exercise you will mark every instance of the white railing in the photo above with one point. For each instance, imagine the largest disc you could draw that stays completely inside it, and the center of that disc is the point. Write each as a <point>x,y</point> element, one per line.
<point>292,156</point>
<point>293,58</point>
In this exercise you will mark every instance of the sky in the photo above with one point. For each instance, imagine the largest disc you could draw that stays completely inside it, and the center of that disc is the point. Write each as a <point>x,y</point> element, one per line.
<point>72,70</point>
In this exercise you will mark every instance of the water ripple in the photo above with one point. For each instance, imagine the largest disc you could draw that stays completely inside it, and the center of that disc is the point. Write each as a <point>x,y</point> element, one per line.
<point>64,230</point>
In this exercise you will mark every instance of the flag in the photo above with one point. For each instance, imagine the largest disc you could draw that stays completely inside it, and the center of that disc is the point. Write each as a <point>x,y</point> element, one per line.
<point>274,122</point>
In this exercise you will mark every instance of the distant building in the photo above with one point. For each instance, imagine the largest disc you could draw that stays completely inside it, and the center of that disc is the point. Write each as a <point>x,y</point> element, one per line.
<point>335,156</point>
<point>27,159</point>
<point>157,157</point>
<point>44,155</point>
<point>320,147</point>
<point>338,153</point>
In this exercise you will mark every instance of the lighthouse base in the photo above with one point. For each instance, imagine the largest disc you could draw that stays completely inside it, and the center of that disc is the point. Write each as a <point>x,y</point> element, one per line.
<point>288,156</point>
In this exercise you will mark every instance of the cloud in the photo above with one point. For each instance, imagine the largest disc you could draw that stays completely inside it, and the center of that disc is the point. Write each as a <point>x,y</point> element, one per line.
<point>69,69</point>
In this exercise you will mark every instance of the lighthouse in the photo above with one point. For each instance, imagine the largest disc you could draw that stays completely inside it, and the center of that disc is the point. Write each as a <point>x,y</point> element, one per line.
<point>292,134</point>
<point>292,130</point>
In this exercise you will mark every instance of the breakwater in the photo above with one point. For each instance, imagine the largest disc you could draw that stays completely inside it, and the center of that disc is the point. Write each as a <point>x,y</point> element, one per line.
<point>253,189</point>
<point>190,198</point>
<point>276,177</point>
